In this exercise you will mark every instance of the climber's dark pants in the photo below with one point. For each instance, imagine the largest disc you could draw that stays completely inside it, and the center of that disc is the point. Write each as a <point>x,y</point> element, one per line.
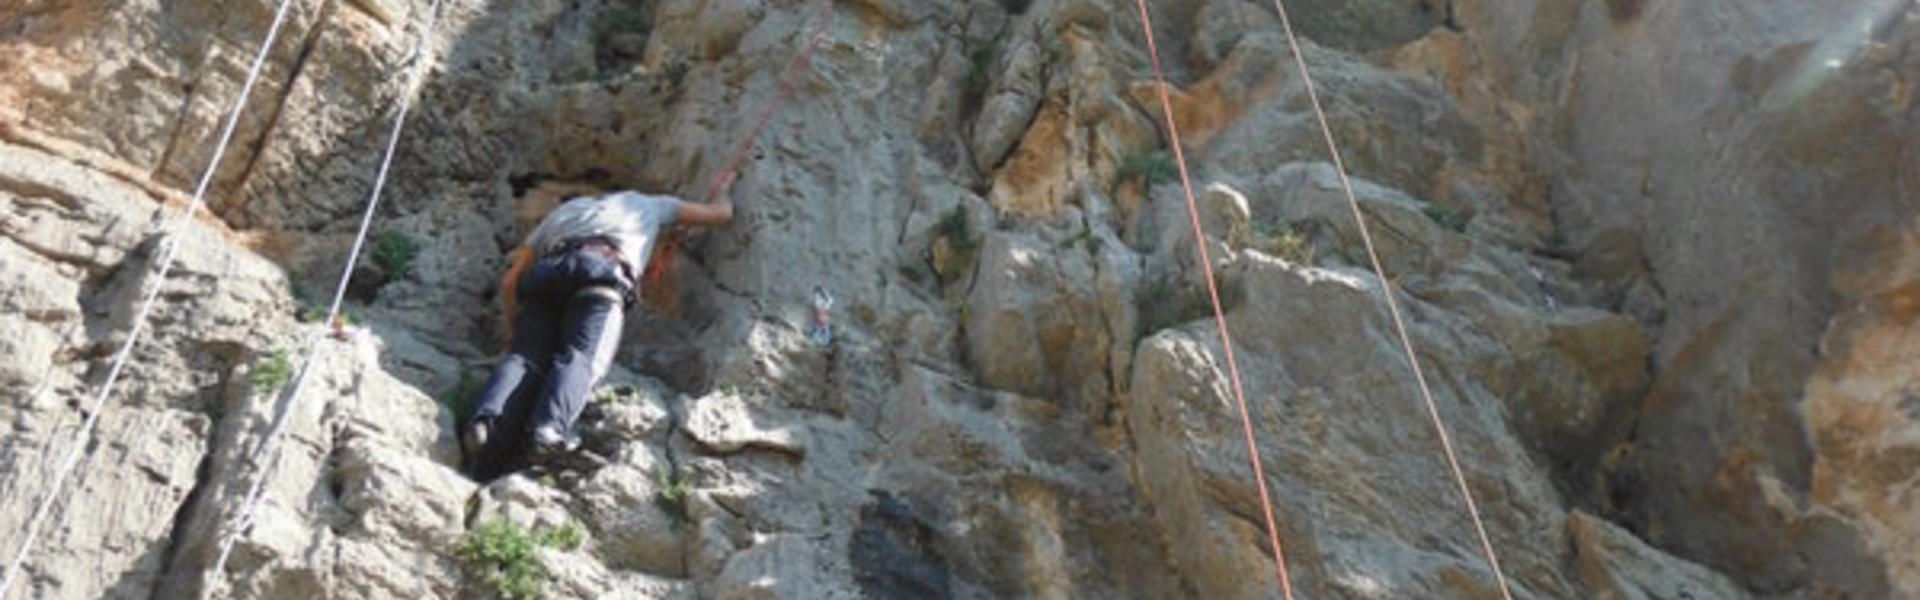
<point>572,307</point>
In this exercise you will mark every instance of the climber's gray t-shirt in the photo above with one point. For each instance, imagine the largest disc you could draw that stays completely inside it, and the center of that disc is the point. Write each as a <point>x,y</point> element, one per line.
<point>631,219</point>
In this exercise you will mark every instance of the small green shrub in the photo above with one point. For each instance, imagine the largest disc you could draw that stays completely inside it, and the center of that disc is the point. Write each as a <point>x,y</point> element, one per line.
<point>394,251</point>
<point>673,494</point>
<point>954,228</point>
<point>961,244</point>
<point>505,559</point>
<point>1149,167</point>
<point>622,394</point>
<point>1450,218</point>
<point>1288,243</point>
<point>272,372</point>
<point>567,537</point>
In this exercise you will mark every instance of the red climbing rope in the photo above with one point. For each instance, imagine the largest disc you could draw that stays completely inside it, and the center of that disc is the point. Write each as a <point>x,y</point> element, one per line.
<point>656,267</point>
<point>789,80</point>
<point>1219,315</point>
<point>1393,307</point>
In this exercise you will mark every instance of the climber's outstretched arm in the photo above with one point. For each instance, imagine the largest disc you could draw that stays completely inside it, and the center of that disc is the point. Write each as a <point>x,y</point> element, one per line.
<point>715,212</point>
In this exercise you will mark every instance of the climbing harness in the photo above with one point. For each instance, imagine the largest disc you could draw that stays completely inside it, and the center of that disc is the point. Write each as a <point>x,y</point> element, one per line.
<point>1219,314</point>
<point>82,438</point>
<point>268,448</point>
<point>1393,307</point>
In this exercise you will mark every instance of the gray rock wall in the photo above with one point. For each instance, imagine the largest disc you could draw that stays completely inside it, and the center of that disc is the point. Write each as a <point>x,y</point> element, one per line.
<point>1619,231</point>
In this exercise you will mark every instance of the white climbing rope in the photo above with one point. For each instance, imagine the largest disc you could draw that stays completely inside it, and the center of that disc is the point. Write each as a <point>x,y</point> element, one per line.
<point>1393,307</point>
<point>269,447</point>
<point>82,437</point>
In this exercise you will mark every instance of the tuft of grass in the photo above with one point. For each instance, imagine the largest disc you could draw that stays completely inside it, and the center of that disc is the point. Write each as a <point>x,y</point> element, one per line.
<point>272,372</point>
<point>505,559</point>
<point>566,537</point>
<point>960,241</point>
<point>673,494</point>
<point>618,395</point>
<point>1450,218</point>
<point>954,228</point>
<point>394,251</point>
<point>1149,167</point>
<point>1287,242</point>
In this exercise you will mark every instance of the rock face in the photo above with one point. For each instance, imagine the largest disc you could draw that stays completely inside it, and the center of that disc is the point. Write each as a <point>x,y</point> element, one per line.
<point>1655,259</point>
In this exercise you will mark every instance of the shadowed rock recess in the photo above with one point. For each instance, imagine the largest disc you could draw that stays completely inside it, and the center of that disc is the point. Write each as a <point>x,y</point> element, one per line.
<point>1660,259</point>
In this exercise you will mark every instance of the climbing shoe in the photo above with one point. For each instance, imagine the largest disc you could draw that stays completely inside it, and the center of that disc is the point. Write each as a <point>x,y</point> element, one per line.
<point>550,442</point>
<point>475,436</point>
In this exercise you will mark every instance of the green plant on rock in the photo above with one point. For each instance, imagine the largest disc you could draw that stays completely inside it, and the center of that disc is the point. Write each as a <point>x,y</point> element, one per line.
<point>1149,167</point>
<point>954,227</point>
<point>960,245</point>
<point>394,251</point>
<point>1286,242</point>
<point>505,558</point>
<point>566,537</point>
<point>673,494</point>
<point>272,372</point>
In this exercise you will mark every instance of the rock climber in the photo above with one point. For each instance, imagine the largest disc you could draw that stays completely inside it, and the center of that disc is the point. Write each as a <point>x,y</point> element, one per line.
<point>566,293</point>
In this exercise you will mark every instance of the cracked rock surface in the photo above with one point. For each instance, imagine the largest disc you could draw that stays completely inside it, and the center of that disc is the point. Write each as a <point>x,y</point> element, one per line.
<point>1656,258</point>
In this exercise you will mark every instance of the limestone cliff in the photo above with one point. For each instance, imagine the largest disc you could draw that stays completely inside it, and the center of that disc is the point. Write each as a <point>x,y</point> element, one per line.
<point>1656,257</point>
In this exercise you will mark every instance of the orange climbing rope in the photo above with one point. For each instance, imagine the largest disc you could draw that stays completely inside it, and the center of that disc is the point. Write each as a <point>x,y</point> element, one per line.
<point>663,257</point>
<point>1219,315</point>
<point>789,80</point>
<point>1393,307</point>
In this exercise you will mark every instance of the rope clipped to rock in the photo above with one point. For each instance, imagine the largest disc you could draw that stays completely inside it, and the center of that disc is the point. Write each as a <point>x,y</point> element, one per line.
<point>1393,307</point>
<point>268,448</point>
<point>1219,313</point>
<point>83,436</point>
